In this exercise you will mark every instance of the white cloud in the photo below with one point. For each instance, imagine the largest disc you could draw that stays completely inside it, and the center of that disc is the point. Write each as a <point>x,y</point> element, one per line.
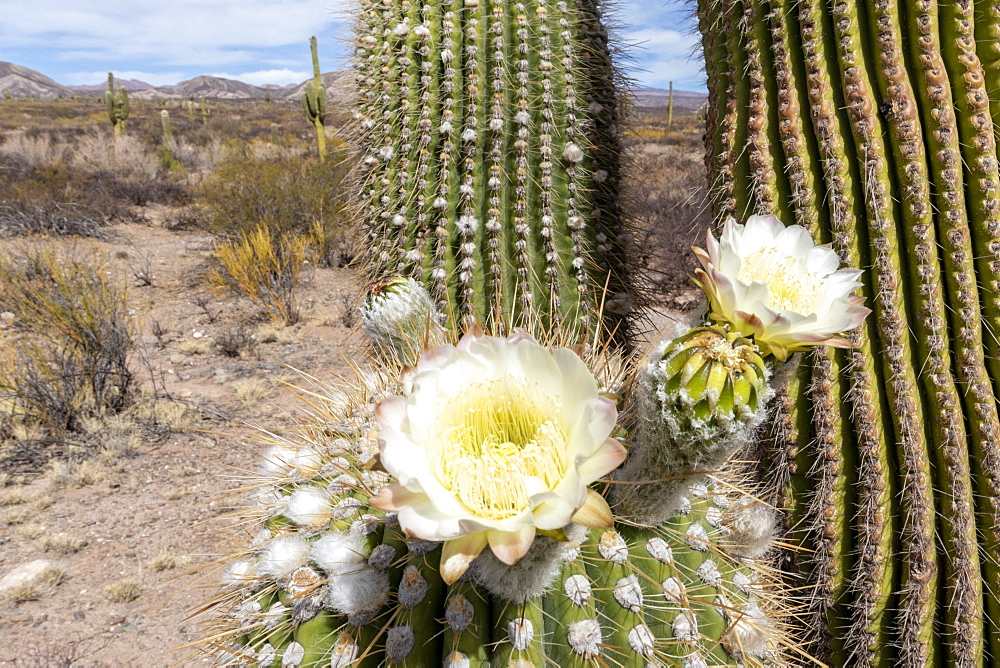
<point>180,32</point>
<point>261,77</point>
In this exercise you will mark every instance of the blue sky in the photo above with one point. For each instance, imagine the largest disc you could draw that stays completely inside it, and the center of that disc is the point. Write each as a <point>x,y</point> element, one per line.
<point>262,41</point>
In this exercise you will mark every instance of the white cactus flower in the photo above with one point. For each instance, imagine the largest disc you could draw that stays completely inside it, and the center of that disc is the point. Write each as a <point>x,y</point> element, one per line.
<point>774,283</point>
<point>497,439</point>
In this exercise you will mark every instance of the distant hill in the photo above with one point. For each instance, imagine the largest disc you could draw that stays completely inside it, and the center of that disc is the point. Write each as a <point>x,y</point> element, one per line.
<point>22,82</point>
<point>131,85</point>
<point>657,97</point>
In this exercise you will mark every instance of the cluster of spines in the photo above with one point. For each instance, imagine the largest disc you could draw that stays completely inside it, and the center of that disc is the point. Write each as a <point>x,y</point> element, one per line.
<point>479,159</point>
<point>676,595</point>
<point>895,164</point>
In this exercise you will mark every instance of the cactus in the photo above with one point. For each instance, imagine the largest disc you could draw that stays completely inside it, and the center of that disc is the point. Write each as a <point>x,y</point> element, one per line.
<point>332,581</point>
<point>873,125</point>
<point>492,162</point>
<point>490,173</point>
<point>117,104</point>
<point>204,110</point>
<point>314,101</point>
<point>167,158</point>
<point>670,105</point>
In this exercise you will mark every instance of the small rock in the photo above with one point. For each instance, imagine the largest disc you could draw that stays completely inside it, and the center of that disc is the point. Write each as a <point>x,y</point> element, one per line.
<point>184,394</point>
<point>79,614</point>
<point>26,573</point>
<point>177,358</point>
<point>130,553</point>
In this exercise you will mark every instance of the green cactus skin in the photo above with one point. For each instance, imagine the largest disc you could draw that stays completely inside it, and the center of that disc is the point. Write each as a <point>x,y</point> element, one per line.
<point>671,596</point>
<point>491,161</point>
<point>314,101</point>
<point>873,125</point>
<point>117,104</point>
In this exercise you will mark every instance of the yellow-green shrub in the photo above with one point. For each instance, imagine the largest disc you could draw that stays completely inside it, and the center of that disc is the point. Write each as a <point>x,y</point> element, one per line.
<point>66,355</point>
<point>264,265</point>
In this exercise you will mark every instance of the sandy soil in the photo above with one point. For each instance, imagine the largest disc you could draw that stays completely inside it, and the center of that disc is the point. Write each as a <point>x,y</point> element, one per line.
<point>132,516</point>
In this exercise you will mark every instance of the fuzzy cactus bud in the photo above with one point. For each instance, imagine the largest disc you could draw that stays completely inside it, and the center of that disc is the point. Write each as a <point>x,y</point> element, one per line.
<point>401,319</point>
<point>710,380</point>
<point>702,398</point>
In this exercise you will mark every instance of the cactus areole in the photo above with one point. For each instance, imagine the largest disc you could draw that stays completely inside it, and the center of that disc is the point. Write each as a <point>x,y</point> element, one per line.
<point>491,162</point>
<point>873,125</point>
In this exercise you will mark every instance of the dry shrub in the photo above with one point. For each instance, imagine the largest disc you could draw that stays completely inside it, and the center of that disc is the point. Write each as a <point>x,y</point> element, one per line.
<point>265,266</point>
<point>68,352</point>
<point>289,196</point>
<point>50,218</point>
<point>236,341</point>
<point>126,157</point>
<point>31,152</point>
<point>201,158</point>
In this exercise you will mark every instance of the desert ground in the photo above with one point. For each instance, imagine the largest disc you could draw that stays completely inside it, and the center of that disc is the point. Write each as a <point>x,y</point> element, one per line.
<point>121,517</point>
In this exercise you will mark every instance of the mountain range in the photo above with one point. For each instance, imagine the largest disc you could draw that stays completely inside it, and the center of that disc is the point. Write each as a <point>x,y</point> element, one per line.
<point>21,82</point>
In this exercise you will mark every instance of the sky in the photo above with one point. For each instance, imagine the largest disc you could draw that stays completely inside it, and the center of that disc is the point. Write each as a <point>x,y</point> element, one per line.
<point>265,41</point>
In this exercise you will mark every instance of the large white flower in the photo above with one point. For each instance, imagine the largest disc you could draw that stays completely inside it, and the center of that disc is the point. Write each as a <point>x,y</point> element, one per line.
<point>774,283</point>
<point>495,440</point>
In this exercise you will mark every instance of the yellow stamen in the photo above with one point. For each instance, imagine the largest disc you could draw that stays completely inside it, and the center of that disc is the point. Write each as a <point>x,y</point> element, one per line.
<point>790,286</point>
<point>495,437</point>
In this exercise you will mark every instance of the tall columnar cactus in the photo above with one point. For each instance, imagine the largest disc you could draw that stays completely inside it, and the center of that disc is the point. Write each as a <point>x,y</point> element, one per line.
<point>874,126</point>
<point>492,160</point>
<point>456,506</point>
<point>314,101</point>
<point>670,105</point>
<point>116,101</point>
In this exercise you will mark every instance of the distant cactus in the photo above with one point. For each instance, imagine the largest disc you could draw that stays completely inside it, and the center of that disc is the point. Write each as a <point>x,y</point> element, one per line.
<point>670,105</point>
<point>167,158</point>
<point>314,101</point>
<point>204,110</point>
<point>117,104</point>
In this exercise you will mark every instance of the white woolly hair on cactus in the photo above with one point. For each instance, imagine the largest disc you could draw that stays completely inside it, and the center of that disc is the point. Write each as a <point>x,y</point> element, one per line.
<point>283,555</point>
<point>533,574</point>
<point>309,507</point>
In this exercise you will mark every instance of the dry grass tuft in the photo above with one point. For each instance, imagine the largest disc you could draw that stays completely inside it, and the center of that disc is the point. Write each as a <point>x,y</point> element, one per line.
<point>125,590</point>
<point>166,561</point>
<point>62,544</point>
<point>250,390</point>
<point>15,497</point>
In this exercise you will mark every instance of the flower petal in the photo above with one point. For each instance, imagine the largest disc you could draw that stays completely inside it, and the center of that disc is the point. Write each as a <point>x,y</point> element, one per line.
<point>510,546</point>
<point>607,458</point>
<point>595,513</point>
<point>457,554</point>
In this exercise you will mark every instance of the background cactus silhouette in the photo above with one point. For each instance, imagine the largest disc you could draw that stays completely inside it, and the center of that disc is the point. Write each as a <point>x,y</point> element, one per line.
<point>314,101</point>
<point>873,125</point>
<point>116,100</point>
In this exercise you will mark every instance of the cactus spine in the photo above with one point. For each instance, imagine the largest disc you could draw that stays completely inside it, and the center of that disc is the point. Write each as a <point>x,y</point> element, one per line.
<point>493,161</point>
<point>872,125</point>
<point>314,101</point>
<point>116,101</point>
